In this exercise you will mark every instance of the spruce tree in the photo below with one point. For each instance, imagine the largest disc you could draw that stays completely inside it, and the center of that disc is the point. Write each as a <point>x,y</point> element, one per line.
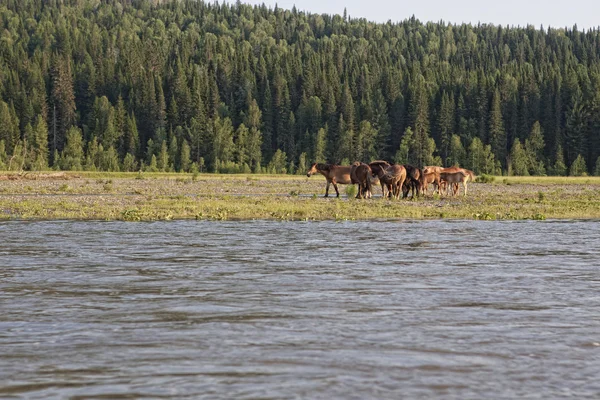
<point>519,161</point>
<point>496,130</point>
<point>534,147</point>
<point>579,167</point>
<point>71,157</point>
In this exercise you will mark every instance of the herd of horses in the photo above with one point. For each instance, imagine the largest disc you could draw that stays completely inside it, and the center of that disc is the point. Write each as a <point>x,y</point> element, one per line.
<point>395,179</point>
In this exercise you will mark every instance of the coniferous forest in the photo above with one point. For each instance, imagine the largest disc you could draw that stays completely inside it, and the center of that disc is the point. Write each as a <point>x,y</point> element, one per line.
<point>183,85</point>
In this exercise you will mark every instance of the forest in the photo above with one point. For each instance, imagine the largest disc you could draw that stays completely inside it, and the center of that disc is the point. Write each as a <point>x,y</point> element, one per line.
<point>184,85</point>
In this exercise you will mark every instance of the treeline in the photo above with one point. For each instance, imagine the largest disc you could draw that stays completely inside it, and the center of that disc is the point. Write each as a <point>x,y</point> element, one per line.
<point>184,85</point>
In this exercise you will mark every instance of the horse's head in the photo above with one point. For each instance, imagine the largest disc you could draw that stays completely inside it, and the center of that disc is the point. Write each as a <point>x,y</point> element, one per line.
<point>312,170</point>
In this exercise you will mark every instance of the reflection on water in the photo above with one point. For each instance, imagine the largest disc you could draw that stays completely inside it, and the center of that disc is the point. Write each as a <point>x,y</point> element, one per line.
<point>450,309</point>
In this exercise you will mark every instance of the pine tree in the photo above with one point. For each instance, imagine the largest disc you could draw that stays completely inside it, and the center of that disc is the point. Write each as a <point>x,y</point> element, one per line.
<point>403,153</point>
<point>423,147</point>
<point>222,142</point>
<point>40,144</point>
<point>129,163</point>
<point>320,145</point>
<point>184,157</point>
<point>240,155</point>
<point>9,127</point>
<point>365,142</point>
<point>162,161</point>
<point>302,164</point>
<point>534,147</point>
<point>93,155</point>
<point>63,99</point>
<point>173,153</point>
<point>446,124</point>
<point>278,163</point>
<point>3,156</point>
<point>456,152</point>
<point>579,167</point>
<point>497,131</point>
<point>72,155</point>
<point>597,167</point>
<point>120,125</point>
<point>559,168</point>
<point>519,162</point>
<point>110,160</point>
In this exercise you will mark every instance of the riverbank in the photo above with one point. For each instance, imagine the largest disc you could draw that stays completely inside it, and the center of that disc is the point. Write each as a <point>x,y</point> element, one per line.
<point>163,196</point>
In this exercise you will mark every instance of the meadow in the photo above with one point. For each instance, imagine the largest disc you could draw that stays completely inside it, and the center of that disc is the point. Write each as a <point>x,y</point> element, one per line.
<point>165,196</point>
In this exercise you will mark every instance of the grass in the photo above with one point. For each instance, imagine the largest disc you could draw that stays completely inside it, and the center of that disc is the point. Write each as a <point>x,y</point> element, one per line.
<point>166,196</point>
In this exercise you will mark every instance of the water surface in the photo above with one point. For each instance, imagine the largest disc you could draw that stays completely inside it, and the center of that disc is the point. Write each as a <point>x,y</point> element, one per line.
<point>261,309</point>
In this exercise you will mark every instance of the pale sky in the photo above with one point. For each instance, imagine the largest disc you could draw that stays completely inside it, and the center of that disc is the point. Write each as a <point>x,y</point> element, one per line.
<point>554,13</point>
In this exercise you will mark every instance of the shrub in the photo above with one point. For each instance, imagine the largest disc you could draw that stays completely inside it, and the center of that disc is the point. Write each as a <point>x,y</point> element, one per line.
<point>351,191</point>
<point>485,178</point>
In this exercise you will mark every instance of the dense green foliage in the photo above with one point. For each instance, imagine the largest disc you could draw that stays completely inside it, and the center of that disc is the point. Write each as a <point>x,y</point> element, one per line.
<point>190,86</point>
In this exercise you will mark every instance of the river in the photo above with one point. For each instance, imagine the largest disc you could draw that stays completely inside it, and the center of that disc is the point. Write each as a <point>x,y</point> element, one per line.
<point>303,310</point>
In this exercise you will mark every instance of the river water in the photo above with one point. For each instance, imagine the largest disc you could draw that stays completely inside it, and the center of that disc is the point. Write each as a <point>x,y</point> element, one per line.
<point>305,310</point>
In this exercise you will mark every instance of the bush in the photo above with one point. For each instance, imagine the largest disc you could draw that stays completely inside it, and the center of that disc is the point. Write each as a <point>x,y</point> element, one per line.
<point>351,191</point>
<point>485,178</point>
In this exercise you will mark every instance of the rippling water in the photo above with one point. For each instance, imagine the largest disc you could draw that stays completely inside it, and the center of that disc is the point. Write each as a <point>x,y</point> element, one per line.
<point>352,310</point>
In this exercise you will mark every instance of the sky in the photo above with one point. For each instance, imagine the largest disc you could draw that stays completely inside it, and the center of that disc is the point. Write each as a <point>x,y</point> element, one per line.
<point>549,13</point>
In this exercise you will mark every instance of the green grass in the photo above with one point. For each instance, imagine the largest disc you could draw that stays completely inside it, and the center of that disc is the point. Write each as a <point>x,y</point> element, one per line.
<point>166,196</point>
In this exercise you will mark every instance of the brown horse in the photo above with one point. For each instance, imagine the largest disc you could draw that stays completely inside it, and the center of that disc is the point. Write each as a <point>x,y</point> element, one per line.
<point>414,181</point>
<point>392,178</point>
<point>361,173</point>
<point>470,177</point>
<point>333,173</point>
<point>454,178</point>
<point>433,178</point>
<point>378,167</point>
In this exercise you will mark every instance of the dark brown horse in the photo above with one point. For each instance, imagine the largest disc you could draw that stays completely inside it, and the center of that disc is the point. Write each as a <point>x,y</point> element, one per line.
<point>414,181</point>
<point>361,173</point>
<point>333,173</point>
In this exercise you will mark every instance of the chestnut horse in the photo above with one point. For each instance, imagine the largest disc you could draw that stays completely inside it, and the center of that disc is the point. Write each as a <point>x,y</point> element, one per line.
<point>361,173</point>
<point>454,178</point>
<point>470,175</point>
<point>393,178</point>
<point>333,173</point>
<point>431,177</point>
<point>378,167</point>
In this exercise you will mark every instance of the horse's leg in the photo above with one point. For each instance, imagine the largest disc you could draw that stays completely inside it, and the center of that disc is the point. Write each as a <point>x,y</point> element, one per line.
<point>337,192</point>
<point>465,185</point>
<point>327,190</point>
<point>399,185</point>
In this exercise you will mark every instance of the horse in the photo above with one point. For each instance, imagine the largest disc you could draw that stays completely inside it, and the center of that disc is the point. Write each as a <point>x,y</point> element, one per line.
<point>378,167</point>
<point>470,176</point>
<point>454,178</point>
<point>414,181</point>
<point>392,178</point>
<point>398,174</point>
<point>361,173</point>
<point>333,173</point>
<point>431,177</point>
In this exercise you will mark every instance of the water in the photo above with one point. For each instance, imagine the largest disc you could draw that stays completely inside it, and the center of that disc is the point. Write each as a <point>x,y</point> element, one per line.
<point>279,310</point>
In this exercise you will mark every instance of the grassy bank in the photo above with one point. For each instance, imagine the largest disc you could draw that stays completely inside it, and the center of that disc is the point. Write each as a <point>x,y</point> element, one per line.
<point>161,196</point>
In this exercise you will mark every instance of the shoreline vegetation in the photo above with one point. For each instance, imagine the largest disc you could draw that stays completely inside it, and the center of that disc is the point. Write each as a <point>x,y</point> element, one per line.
<point>169,196</point>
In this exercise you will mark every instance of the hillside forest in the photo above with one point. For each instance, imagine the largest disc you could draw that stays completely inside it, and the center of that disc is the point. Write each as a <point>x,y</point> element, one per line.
<point>184,85</point>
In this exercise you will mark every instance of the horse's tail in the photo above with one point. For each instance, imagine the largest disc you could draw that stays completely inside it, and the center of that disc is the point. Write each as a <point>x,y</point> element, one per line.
<point>368,185</point>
